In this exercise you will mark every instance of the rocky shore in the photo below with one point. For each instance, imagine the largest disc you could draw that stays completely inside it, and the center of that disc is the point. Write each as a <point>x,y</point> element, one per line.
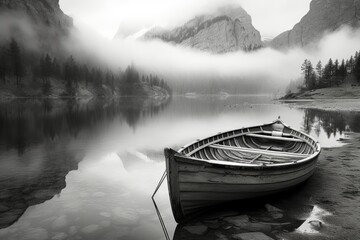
<point>345,98</point>
<point>325,207</point>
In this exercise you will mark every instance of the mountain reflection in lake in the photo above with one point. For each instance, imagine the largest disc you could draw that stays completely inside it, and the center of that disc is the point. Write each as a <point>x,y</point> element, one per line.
<point>87,169</point>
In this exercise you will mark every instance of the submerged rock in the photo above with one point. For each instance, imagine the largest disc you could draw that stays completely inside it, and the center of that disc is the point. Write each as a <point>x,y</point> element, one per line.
<point>275,212</point>
<point>316,224</point>
<point>251,236</point>
<point>271,208</point>
<point>212,224</point>
<point>220,236</point>
<point>197,230</point>
<point>239,221</point>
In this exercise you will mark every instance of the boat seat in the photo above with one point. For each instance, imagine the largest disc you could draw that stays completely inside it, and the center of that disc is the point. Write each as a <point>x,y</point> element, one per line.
<point>274,138</point>
<point>276,134</point>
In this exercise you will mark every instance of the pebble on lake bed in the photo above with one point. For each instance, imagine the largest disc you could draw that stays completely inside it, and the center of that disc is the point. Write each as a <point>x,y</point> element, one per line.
<point>239,221</point>
<point>197,230</point>
<point>251,236</point>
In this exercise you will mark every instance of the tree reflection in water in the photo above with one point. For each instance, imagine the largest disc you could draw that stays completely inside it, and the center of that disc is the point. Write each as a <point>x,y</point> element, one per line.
<point>42,133</point>
<point>27,122</point>
<point>331,122</point>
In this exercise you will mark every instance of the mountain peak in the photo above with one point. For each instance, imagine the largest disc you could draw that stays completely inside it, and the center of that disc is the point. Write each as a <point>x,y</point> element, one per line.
<point>228,29</point>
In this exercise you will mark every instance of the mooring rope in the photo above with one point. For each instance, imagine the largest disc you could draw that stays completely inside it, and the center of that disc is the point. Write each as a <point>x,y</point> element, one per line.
<point>157,209</point>
<point>159,184</point>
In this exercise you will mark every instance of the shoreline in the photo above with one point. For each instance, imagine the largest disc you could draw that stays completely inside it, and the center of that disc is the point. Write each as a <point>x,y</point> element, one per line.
<point>334,104</point>
<point>335,187</point>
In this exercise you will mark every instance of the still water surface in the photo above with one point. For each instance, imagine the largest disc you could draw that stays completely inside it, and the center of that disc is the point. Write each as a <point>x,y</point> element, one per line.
<point>87,170</point>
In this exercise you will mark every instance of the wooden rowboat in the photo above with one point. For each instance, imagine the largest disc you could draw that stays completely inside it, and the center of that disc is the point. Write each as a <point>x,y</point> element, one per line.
<point>236,165</point>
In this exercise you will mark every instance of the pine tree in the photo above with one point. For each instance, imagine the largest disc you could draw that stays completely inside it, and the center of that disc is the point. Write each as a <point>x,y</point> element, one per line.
<point>55,69</point>
<point>336,73</point>
<point>342,71</point>
<point>16,61</point>
<point>319,71</point>
<point>3,64</point>
<point>308,71</point>
<point>351,64</point>
<point>70,75</point>
<point>86,75</point>
<point>328,73</point>
<point>357,69</point>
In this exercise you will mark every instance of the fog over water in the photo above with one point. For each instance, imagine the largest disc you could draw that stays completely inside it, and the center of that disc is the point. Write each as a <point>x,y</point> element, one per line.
<point>271,68</point>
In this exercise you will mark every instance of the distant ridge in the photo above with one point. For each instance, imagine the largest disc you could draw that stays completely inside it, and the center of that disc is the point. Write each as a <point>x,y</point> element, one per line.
<point>323,16</point>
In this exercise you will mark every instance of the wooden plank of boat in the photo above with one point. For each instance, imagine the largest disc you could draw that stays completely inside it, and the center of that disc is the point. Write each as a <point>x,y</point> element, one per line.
<point>266,152</point>
<point>238,164</point>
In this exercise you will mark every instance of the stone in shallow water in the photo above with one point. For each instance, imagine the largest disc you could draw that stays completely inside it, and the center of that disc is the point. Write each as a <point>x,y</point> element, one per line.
<point>220,236</point>
<point>275,212</point>
<point>90,229</point>
<point>271,208</point>
<point>212,224</point>
<point>238,221</point>
<point>257,227</point>
<point>316,224</point>
<point>37,234</point>
<point>59,223</point>
<point>197,230</point>
<point>251,236</point>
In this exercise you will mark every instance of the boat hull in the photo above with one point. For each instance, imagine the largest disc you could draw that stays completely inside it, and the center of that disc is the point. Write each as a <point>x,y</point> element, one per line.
<point>195,185</point>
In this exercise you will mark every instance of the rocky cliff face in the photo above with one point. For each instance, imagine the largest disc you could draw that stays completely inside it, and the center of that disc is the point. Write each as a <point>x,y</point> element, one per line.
<point>35,24</point>
<point>324,15</point>
<point>228,30</point>
<point>42,12</point>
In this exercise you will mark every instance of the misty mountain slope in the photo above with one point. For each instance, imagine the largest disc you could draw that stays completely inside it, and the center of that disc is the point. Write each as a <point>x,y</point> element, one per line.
<point>36,24</point>
<point>46,12</point>
<point>227,30</point>
<point>324,16</point>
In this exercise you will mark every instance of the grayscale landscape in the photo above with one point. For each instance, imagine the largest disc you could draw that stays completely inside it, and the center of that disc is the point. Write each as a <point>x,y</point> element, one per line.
<point>260,100</point>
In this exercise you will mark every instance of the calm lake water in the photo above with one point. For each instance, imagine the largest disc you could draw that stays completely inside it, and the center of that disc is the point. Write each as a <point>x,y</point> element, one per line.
<point>87,170</point>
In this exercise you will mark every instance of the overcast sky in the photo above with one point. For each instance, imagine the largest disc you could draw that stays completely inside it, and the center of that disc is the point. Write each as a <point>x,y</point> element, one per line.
<point>270,17</point>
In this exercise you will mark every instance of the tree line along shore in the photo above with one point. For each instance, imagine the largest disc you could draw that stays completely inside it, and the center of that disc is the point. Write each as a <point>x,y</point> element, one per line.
<point>333,74</point>
<point>25,73</point>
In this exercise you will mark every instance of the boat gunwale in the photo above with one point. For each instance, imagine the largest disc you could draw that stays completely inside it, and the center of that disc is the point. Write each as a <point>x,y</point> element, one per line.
<point>316,153</point>
<point>234,165</point>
